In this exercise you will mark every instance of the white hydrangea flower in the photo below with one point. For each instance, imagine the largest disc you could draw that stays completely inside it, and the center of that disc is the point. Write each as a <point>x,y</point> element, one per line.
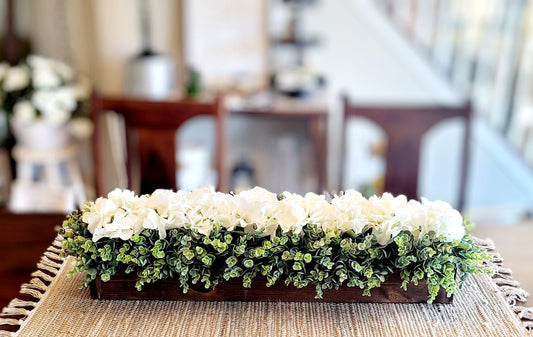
<point>45,77</point>
<point>202,210</point>
<point>24,112</point>
<point>123,214</point>
<point>124,198</point>
<point>55,105</point>
<point>444,220</point>
<point>169,207</point>
<point>65,98</point>
<point>122,226</point>
<point>99,215</point>
<point>320,211</point>
<point>118,215</point>
<point>44,100</point>
<point>152,220</point>
<point>179,205</point>
<point>412,217</point>
<point>254,210</point>
<point>61,71</point>
<point>224,207</point>
<point>161,202</point>
<point>259,194</point>
<point>451,226</point>
<point>380,209</point>
<point>349,211</point>
<point>16,78</point>
<point>55,90</point>
<point>291,213</point>
<point>38,61</point>
<point>256,216</point>
<point>250,212</point>
<point>387,230</point>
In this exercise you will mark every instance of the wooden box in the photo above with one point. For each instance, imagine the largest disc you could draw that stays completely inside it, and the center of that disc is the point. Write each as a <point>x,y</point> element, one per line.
<point>122,287</point>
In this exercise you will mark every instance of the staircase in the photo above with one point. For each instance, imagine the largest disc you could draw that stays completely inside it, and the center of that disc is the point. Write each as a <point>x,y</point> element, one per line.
<point>483,51</point>
<point>483,48</point>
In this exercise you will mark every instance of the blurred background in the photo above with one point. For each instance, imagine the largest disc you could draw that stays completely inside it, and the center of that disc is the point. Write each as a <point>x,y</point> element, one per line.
<point>317,96</point>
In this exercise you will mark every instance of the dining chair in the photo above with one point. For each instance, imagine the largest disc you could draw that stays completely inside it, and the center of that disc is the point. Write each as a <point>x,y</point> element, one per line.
<point>150,128</point>
<point>404,127</point>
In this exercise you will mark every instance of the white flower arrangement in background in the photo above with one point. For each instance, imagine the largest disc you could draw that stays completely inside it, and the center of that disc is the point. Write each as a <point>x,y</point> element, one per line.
<point>42,89</point>
<point>123,214</point>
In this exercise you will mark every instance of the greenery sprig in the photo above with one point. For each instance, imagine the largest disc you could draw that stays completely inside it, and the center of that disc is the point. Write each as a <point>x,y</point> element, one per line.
<point>325,259</point>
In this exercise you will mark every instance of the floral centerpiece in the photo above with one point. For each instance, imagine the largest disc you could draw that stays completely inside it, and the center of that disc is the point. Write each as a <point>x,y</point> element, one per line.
<point>41,94</point>
<point>209,237</point>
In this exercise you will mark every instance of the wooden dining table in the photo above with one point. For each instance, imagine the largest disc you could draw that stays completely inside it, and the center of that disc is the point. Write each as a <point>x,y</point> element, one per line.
<point>514,244</point>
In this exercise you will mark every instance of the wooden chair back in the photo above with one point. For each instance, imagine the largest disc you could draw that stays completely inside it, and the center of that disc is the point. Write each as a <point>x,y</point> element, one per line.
<point>151,139</point>
<point>405,127</point>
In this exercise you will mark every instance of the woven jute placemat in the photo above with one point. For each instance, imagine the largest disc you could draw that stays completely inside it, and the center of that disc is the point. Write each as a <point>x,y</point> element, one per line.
<point>481,308</point>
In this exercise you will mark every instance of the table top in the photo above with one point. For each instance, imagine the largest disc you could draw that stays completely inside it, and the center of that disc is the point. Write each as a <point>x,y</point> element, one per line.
<point>514,244</point>
<point>269,103</point>
<point>479,309</point>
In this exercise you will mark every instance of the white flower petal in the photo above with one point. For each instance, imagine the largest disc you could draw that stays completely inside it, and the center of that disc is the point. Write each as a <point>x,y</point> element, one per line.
<point>122,214</point>
<point>16,78</point>
<point>24,112</point>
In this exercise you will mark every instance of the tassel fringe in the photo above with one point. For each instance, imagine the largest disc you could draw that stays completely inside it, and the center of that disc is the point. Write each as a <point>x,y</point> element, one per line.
<point>13,316</point>
<point>509,288</point>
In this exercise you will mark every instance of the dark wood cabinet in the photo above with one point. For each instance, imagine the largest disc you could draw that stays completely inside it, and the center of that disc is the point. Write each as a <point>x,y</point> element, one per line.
<point>23,240</point>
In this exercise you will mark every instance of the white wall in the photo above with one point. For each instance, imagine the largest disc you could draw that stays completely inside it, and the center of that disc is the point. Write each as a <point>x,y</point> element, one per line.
<point>22,19</point>
<point>118,35</point>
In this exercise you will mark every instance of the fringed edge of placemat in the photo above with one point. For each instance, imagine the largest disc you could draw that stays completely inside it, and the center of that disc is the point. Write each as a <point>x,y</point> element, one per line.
<point>509,288</point>
<point>18,310</point>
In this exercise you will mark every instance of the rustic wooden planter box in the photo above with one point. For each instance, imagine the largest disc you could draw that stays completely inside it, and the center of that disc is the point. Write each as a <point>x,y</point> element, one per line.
<point>122,287</point>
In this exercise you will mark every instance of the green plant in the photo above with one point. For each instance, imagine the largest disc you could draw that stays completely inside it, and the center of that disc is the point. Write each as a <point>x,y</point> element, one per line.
<point>325,259</point>
<point>42,89</point>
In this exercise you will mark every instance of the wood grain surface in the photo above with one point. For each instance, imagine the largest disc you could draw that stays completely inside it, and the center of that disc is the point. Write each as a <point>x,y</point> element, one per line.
<point>25,238</point>
<point>123,287</point>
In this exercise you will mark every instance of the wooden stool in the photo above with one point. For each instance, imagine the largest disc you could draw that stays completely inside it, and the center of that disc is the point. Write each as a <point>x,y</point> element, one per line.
<point>42,185</point>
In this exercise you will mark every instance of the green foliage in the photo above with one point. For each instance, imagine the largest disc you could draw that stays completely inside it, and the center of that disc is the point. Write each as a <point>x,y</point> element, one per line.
<point>325,259</point>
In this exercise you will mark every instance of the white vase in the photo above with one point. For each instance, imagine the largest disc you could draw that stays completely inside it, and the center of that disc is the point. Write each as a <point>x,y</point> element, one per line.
<point>40,134</point>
